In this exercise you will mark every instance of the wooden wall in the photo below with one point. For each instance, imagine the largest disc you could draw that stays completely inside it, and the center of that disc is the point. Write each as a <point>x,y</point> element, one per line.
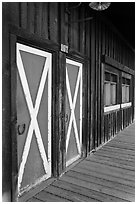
<point>108,42</point>
<point>47,25</point>
<point>6,138</point>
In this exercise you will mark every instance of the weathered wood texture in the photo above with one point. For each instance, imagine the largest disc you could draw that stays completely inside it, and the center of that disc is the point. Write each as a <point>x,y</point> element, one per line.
<point>13,114</point>
<point>110,44</point>
<point>108,175</point>
<point>111,124</point>
<point>6,110</point>
<point>116,121</point>
<point>58,23</point>
<point>46,25</point>
<point>43,19</point>
<point>61,141</point>
<point>126,116</point>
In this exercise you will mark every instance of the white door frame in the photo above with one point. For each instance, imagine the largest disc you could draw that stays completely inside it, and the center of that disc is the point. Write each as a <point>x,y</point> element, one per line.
<point>33,111</point>
<point>72,103</point>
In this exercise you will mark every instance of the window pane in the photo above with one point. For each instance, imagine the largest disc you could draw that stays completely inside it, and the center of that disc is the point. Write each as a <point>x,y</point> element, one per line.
<point>128,81</point>
<point>127,93</point>
<point>123,93</point>
<point>113,78</point>
<point>113,94</point>
<point>107,94</point>
<point>123,80</point>
<point>107,76</point>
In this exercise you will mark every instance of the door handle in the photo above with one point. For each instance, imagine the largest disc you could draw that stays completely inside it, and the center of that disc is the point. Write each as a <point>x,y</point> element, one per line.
<point>21,129</point>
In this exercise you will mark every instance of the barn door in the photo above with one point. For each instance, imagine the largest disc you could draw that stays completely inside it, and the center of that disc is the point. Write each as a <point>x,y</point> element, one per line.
<point>33,115</point>
<point>73,117</point>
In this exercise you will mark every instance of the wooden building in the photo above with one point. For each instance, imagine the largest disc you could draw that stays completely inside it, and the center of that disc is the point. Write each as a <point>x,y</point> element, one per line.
<point>68,88</point>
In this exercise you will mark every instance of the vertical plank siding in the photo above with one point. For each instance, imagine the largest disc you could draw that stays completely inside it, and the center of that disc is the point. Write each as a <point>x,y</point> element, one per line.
<point>53,23</point>
<point>96,84</point>
<point>23,11</point>
<point>110,125</point>
<point>38,18</point>
<point>116,121</point>
<point>47,25</point>
<point>82,28</point>
<point>30,17</point>
<point>6,109</point>
<point>127,117</point>
<point>92,88</point>
<point>115,48</point>
<point>44,27</point>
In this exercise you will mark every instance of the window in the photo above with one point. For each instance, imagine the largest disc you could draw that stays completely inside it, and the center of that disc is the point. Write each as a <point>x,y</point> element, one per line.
<point>110,89</point>
<point>125,90</point>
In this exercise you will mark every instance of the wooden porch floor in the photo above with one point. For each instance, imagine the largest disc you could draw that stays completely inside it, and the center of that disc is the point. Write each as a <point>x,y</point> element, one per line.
<point>108,175</point>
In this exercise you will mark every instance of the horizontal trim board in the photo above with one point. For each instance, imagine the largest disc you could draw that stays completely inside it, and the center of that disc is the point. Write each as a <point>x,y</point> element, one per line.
<point>117,65</point>
<point>111,108</point>
<point>72,62</point>
<point>126,75</point>
<point>126,105</point>
<point>33,50</point>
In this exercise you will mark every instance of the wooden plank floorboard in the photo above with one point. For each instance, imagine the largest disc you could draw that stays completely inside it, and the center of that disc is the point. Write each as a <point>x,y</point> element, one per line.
<point>111,163</point>
<point>105,167</point>
<point>99,188</point>
<point>33,199</point>
<point>101,158</point>
<point>108,175</point>
<point>121,159</point>
<point>128,138</point>
<point>100,181</point>
<point>118,150</point>
<point>49,197</point>
<point>126,147</point>
<point>127,134</point>
<point>122,145</point>
<point>116,155</point>
<point>85,191</point>
<point>124,141</point>
<point>72,196</point>
<point>125,154</point>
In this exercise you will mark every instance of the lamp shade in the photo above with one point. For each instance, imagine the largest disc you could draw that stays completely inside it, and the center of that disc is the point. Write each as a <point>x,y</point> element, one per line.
<point>99,6</point>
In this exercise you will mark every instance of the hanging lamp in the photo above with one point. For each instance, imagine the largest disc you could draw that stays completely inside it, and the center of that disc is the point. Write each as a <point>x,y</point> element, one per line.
<point>99,6</point>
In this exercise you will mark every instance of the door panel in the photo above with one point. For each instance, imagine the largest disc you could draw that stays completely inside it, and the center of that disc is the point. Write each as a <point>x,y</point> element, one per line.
<point>23,117</point>
<point>73,111</point>
<point>33,65</point>
<point>72,151</point>
<point>34,167</point>
<point>33,115</point>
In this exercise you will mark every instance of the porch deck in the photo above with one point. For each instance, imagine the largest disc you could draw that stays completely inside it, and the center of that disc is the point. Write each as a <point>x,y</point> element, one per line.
<point>108,175</point>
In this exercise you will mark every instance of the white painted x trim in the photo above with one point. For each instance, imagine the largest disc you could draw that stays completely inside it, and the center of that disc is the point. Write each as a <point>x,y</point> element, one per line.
<point>34,126</point>
<point>72,104</point>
